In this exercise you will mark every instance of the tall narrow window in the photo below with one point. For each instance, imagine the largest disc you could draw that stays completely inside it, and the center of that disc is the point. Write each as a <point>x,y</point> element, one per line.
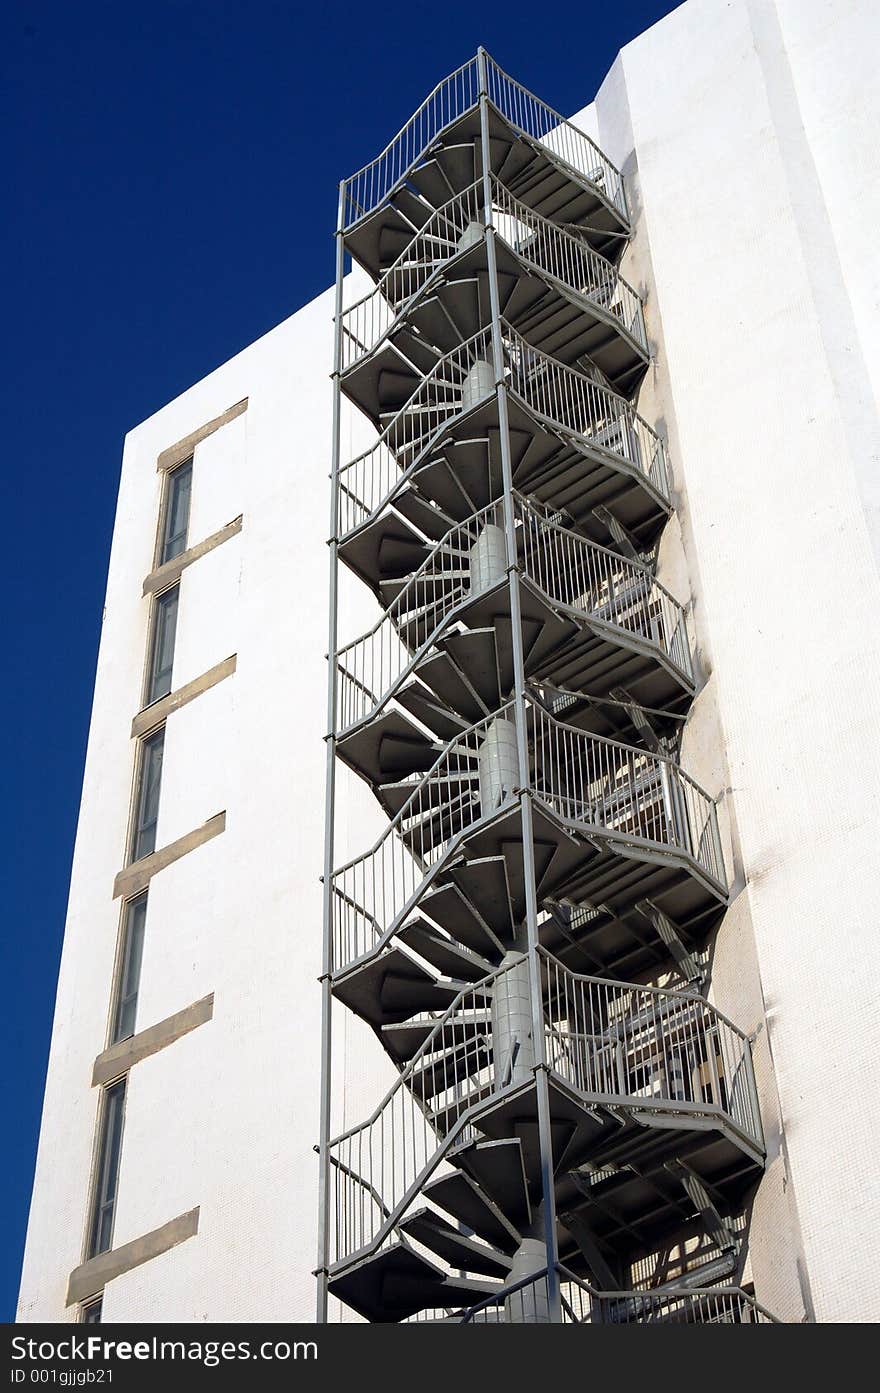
<point>147,799</point>
<point>162,645</point>
<point>107,1175</point>
<point>133,927</point>
<point>91,1314</point>
<point>179,486</point>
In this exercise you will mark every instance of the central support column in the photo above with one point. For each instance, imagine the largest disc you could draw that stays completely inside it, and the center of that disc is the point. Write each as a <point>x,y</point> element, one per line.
<point>535,1255</point>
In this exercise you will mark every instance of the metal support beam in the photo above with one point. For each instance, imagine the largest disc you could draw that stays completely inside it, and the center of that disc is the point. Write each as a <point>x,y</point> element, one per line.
<point>583,1236</point>
<point>623,538</point>
<point>705,1206</point>
<point>640,719</point>
<point>544,1128</point>
<point>687,965</point>
<point>330,794</point>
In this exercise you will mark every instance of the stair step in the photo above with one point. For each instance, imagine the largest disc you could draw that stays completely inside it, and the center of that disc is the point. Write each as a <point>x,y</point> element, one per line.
<point>455,1248</point>
<point>396,1282</point>
<point>451,1067</point>
<point>497,1168</point>
<point>421,702</point>
<point>457,162</point>
<point>404,1039</point>
<point>483,883</point>
<point>443,953</point>
<point>474,653</point>
<point>442,674</point>
<point>391,988</point>
<point>388,746</point>
<point>437,793</point>
<point>460,1196</point>
<point>448,906</point>
<point>432,183</point>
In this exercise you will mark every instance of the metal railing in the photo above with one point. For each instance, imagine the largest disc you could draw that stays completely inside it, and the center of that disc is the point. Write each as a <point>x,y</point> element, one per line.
<point>523,1302</point>
<point>562,254</point>
<point>672,1049</point>
<point>372,667</point>
<point>587,579</point>
<point>380,1165</point>
<point>596,785</point>
<point>556,252</point>
<point>613,1042</point>
<point>450,99</point>
<point>527,1302</point>
<point>568,143</point>
<point>582,408</point>
<point>373,892</point>
<point>589,416</point>
<point>723,1305</point>
<point>595,581</point>
<point>610,788</point>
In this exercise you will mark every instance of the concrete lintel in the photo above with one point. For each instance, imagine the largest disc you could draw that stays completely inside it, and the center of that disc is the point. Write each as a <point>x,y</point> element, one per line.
<point>160,710</point>
<point>137,877</point>
<point>118,1059</point>
<point>177,453</point>
<point>92,1276</point>
<point>167,574</point>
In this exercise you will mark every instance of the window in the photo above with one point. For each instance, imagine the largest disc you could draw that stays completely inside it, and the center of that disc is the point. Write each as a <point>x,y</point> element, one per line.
<point>162,645</point>
<point>176,526</point>
<point>147,800</point>
<point>91,1314</point>
<point>107,1175</point>
<point>134,923</point>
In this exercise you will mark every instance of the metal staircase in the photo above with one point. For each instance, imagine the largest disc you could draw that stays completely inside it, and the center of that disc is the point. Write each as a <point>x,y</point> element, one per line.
<point>526,936</point>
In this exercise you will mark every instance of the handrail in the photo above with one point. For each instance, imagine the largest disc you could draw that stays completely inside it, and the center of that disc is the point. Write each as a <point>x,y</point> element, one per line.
<point>625,1050</point>
<point>373,890</point>
<point>555,251</point>
<point>540,122</point>
<point>589,415</point>
<point>663,1047</point>
<point>452,97</point>
<point>399,638</point>
<point>592,783</point>
<point>580,575</point>
<point>456,94</point>
<point>694,1305</point>
<point>393,1151</point>
<point>642,797</point>
<point>697,1305</point>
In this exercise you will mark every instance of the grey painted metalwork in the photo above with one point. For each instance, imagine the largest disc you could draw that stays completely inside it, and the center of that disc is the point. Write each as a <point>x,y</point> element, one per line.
<point>525,935</point>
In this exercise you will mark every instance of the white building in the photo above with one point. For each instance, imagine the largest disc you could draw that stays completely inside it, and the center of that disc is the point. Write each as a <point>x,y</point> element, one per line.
<point>746,134</point>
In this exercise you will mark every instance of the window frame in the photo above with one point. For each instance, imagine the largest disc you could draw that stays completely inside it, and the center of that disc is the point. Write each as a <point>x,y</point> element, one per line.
<point>144,745</point>
<point>132,926</point>
<point>157,610</point>
<point>101,1170</point>
<point>87,1307</point>
<point>168,485</point>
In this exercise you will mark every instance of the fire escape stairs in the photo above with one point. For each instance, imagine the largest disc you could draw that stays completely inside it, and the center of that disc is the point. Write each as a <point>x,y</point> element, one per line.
<point>548,869</point>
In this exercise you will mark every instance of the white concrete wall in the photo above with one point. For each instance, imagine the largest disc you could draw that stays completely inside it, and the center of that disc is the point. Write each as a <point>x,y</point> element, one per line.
<point>747,130</point>
<point>226,1117</point>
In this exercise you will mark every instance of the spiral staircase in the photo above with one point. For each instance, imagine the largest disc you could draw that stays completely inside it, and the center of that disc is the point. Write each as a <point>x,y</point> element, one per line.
<point>526,938</point>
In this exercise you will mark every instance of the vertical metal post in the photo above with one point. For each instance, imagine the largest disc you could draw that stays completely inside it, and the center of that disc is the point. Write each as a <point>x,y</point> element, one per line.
<point>330,792</point>
<point>543,1102</point>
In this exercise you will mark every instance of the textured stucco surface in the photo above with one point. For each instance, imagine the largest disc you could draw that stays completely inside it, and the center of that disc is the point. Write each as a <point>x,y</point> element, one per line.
<point>748,134</point>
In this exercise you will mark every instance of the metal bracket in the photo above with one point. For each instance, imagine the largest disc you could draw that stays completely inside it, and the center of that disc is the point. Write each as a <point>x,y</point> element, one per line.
<point>687,965</point>
<point>623,538</point>
<point>583,1237</point>
<point>640,719</point>
<point>705,1206</point>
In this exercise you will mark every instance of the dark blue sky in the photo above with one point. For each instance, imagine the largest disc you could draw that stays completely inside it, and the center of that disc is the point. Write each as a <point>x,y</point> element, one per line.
<point>170,184</point>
